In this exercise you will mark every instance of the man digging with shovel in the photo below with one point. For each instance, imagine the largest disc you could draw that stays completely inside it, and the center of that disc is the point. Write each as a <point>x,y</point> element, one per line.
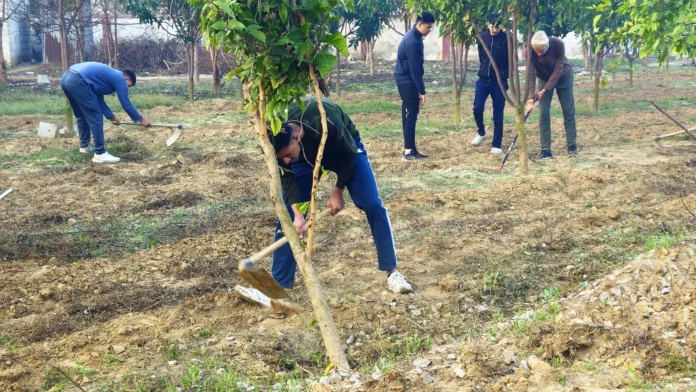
<point>296,147</point>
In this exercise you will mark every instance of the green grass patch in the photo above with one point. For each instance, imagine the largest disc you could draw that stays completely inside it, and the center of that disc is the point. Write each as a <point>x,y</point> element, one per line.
<point>51,156</point>
<point>369,107</point>
<point>663,241</point>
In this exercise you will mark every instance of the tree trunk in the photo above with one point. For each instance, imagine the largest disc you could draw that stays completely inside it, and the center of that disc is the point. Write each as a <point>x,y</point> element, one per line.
<point>585,57</point>
<point>189,55</point>
<point>214,54</point>
<point>645,61</point>
<point>109,40</point>
<point>630,72</point>
<point>196,60</point>
<point>338,75</point>
<point>322,313</point>
<point>597,79</point>
<point>370,56</point>
<point>591,55</point>
<point>115,62</point>
<point>3,67</point>
<point>667,64</point>
<point>521,139</point>
<point>455,82</point>
<point>65,60</point>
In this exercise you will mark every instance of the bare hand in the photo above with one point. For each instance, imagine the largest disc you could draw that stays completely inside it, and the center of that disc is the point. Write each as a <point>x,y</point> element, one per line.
<point>421,99</point>
<point>336,202</point>
<point>529,108</point>
<point>145,122</point>
<point>299,222</point>
<point>539,95</point>
<point>114,120</point>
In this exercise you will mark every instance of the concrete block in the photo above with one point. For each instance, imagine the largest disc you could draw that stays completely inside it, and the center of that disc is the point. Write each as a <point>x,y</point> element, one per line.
<point>47,130</point>
<point>43,79</point>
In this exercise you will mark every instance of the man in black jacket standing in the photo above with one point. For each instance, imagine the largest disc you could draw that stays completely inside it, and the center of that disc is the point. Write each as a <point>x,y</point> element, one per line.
<point>409,79</point>
<point>487,84</point>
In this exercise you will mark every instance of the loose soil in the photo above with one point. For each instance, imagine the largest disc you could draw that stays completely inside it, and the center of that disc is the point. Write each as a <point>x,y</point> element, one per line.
<point>128,269</point>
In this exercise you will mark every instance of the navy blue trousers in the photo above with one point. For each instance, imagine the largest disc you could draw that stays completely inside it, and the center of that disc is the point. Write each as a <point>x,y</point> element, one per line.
<point>410,108</point>
<point>492,89</point>
<point>86,108</point>
<point>362,187</point>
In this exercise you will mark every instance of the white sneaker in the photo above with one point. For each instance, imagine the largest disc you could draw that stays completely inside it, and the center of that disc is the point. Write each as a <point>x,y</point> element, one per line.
<point>253,296</point>
<point>83,150</point>
<point>478,140</point>
<point>105,158</point>
<point>495,150</point>
<point>398,284</point>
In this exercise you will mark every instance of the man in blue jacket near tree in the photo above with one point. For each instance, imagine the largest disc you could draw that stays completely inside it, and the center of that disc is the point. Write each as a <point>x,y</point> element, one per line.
<point>409,80</point>
<point>487,84</point>
<point>85,85</point>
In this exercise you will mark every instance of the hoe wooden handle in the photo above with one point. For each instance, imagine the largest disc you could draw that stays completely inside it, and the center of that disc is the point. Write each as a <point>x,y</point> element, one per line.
<point>271,248</point>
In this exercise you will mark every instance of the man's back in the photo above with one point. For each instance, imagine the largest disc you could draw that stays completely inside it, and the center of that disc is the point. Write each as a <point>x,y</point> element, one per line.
<point>102,79</point>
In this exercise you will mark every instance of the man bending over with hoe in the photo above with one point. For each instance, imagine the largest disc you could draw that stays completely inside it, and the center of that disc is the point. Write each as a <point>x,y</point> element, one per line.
<point>296,147</point>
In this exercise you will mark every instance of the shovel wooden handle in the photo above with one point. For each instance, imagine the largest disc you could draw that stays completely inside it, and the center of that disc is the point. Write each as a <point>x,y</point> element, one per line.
<point>658,138</point>
<point>274,246</point>
<point>160,125</point>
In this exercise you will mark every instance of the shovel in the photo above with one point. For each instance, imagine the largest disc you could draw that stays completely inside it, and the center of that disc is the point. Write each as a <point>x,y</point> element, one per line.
<point>264,282</point>
<point>176,127</point>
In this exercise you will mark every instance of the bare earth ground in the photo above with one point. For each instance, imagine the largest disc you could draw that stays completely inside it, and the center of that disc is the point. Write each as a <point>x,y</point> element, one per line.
<point>121,275</point>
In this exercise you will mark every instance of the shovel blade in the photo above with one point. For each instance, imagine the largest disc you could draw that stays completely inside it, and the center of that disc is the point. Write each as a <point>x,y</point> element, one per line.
<point>261,280</point>
<point>174,137</point>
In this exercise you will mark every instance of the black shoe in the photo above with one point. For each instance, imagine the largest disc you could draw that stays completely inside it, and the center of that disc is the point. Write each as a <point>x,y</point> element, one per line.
<point>544,154</point>
<point>573,151</point>
<point>412,156</point>
<point>418,155</point>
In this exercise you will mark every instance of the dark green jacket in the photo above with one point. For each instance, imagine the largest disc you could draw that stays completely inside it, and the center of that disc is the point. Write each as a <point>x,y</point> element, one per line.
<point>339,151</point>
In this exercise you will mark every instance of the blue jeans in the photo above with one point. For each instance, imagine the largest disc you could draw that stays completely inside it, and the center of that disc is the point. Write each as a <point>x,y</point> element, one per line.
<point>483,90</point>
<point>362,187</point>
<point>86,108</point>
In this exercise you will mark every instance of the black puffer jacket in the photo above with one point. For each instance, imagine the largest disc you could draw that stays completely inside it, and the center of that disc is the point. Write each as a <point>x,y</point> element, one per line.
<point>498,46</point>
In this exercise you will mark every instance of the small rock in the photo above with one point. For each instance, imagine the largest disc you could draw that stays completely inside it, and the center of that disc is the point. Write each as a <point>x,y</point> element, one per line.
<point>616,291</point>
<point>422,363</point>
<point>452,356</point>
<point>377,375</point>
<point>334,303</point>
<point>427,378</point>
<point>449,283</point>
<point>412,307</point>
<point>354,378</point>
<point>509,357</point>
<point>416,312</point>
<point>72,221</point>
<point>605,295</point>
<point>535,363</point>
<point>172,363</point>
<point>481,308</point>
<point>350,340</point>
<point>118,349</point>
<point>459,372</point>
<point>46,293</point>
<point>325,380</point>
<point>393,328</point>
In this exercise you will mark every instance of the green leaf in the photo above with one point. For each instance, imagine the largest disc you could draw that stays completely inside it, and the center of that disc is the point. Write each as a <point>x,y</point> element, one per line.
<point>276,82</point>
<point>303,207</point>
<point>338,41</point>
<point>234,72</point>
<point>257,34</point>
<point>219,25</point>
<point>283,11</point>
<point>276,125</point>
<point>225,7</point>
<point>235,25</point>
<point>324,63</point>
<point>596,19</point>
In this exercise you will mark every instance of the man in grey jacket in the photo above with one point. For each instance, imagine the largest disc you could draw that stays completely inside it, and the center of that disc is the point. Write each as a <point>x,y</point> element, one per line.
<point>551,66</point>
